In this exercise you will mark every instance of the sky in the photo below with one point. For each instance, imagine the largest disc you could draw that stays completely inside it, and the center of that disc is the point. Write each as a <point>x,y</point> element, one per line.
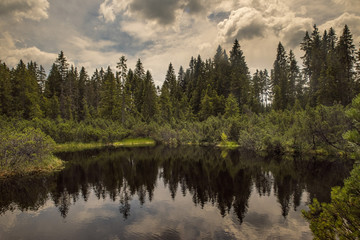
<point>96,33</point>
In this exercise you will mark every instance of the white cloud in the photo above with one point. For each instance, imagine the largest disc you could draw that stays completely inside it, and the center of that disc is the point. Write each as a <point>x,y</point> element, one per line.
<point>243,23</point>
<point>20,9</point>
<point>338,24</point>
<point>12,55</point>
<point>107,11</point>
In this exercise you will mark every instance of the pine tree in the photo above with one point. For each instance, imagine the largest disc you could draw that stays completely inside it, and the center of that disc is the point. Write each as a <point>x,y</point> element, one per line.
<point>121,65</point>
<point>25,94</point>
<point>69,96</point>
<point>280,79</point>
<point>93,93</point>
<point>54,110</point>
<point>231,107</point>
<point>175,91</point>
<point>41,79</point>
<point>239,79</point>
<point>293,79</point>
<point>305,45</point>
<point>53,83</point>
<point>266,83</point>
<point>315,66</point>
<point>221,72</point>
<point>206,107</point>
<point>82,105</point>
<point>166,109</point>
<point>345,53</point>
<point>150,102</point>
<point>256,92</point>
<point>182,79</point>
<point>108,95</point>
<point>5,90</point>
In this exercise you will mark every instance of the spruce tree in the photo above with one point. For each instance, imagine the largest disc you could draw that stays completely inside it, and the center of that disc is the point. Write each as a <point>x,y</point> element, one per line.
<point>231,107</point>
<point>108,95</point>
<point>82,105</point>
<point>280,79</point>
<point>294,81</point>
<point>345,52</point>
<point>138,84</point>
<point>239,79</point>
<point>166,109</point>
<point>121,65</point>
<point>149,108</point>
<point>6,100</point>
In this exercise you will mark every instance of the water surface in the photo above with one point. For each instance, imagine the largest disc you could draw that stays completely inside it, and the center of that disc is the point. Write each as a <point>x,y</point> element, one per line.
<point>168,193</point>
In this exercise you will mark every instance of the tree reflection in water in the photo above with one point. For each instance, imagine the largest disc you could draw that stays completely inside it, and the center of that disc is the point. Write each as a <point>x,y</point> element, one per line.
<point>224,179</point>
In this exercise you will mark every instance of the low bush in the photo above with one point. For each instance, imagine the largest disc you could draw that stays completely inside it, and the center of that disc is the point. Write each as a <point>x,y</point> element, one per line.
<point>21,149</point>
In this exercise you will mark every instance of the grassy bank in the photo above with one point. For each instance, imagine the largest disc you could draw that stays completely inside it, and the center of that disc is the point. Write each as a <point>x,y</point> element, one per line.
<point>129,142</point>
<point>135,142</point>
<point>51,164</point>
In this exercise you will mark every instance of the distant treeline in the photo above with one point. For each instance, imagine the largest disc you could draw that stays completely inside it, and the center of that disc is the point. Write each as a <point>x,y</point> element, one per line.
<point>212,87</point>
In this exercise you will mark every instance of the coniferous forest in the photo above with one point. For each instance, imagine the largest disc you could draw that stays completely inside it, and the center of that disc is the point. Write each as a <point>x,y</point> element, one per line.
<point>308,107</point>
<point>294,106</point>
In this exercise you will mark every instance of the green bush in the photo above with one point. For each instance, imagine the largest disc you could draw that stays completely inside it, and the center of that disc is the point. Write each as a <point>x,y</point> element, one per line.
<point>22,148</point>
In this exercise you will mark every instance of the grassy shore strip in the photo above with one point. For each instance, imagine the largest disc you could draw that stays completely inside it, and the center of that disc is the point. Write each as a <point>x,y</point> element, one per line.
<point>129,142</point>
<point>135,142</point>
<point>228,144</point>
<point>52,164</point>
<point>78,146</point>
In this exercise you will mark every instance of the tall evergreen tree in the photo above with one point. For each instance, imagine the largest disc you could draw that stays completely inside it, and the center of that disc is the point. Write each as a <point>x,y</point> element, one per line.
<point>231,107</point>
<point>150,102</point>
<point>294,81</point>
<point>5,90</point>
<point>25,92</point>
<point>166,109</point>
<point>280,79</point>
<point>315,66</point>
<point>345,53</point>
<point>305,45</point>
<point>221,72</point>
<point>256,92</point>
<point>82,105</point>
<point>121,65</point>
<point>108,95</point>
<point>182,79</point>
<point>239,79</point>
<point>138,84</point>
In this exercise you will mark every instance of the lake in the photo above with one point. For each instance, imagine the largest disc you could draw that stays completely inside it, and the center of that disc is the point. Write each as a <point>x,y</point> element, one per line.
<point>168,193</point>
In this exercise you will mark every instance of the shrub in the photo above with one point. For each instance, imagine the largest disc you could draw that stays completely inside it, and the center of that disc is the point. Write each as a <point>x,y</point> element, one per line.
<point>28,147</point>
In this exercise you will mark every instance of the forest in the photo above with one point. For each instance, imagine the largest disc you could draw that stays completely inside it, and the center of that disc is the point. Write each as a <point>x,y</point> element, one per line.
<point>290,108</point>
<point>307,108</point>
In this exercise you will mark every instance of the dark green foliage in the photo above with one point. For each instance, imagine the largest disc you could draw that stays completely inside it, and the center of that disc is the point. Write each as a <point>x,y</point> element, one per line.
<point>340,219</point>
<point>239,77</point>
<point>149,108</point>
<point>19,149</point>
<point>109,96</point>
<point>5,90</point>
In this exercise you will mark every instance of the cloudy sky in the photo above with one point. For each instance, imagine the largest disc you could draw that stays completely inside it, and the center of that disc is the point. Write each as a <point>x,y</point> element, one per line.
<point>96,33</point>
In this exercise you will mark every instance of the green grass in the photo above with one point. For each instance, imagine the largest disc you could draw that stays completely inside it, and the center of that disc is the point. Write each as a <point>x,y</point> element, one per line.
<point>129,142</point>
<point>228,144</point>
<point>135,142</point>
<point>77,146</point>
<point>49,165</point>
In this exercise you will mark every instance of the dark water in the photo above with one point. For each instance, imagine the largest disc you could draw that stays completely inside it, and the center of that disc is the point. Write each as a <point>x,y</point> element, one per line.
<point>168,193</point>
